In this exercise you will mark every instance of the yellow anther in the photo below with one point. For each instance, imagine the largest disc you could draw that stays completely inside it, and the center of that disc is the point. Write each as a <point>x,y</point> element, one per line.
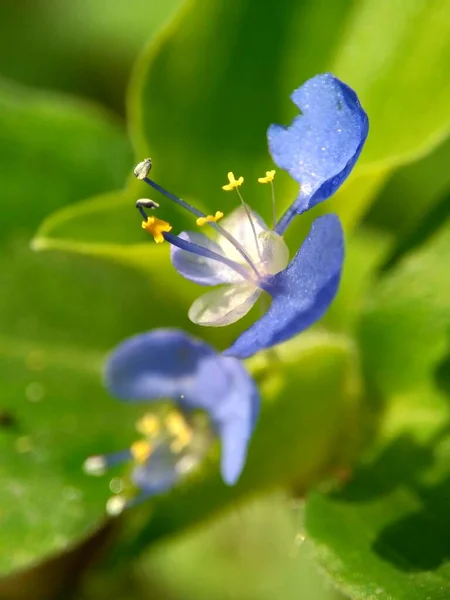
<point>209,219</point>
<point>141,450</point>
<point>156,227</point>
<point>270,175</point>
<point>148,425</point>
<point>233,183</point>
<point>179,429</point>
<point>175,423</point>
<point>180,442</point>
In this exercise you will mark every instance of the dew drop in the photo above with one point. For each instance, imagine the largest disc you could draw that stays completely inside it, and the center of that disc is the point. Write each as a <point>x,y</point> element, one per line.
<point>35,391</point>
<point>72,493</point>
<point>116,485</point>
<point>23,444</point>
<point>36,360</point>
<point>95,465</point>
<point>115,505</point>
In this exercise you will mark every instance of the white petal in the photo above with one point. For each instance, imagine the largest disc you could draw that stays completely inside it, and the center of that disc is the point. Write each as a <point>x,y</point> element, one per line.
<point>201,270</point>
<point>224,305</point>
<point>274,253</point>
<point>238,225</point>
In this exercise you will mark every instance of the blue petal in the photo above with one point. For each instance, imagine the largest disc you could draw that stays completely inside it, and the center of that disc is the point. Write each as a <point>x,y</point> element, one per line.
<point>301,293</point>
<point>167,363</point>
<point>321,146</point>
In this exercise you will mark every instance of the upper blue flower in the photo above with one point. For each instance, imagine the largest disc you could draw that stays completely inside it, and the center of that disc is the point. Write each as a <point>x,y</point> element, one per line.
<point>169,364</point>
<point>247,257</point>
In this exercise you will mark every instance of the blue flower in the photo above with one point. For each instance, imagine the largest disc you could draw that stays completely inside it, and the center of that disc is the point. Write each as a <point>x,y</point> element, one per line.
<point>319,149</point>
<point>212,395</point>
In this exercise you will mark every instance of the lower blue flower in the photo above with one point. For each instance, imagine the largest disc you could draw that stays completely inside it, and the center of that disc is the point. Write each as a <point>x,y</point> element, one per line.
<point>212,396</point>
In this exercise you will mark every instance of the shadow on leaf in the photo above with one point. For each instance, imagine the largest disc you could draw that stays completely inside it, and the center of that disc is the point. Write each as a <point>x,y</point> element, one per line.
<point>418,541</point>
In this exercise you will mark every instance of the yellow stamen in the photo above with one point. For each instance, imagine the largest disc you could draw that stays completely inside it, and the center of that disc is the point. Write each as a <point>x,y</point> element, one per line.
<point>141,450</point>
<point>148,425</point>
<point>233,183</point>
<point>209,219</point>
<point>270,175</point>
<point>180,442</point>
<point>180,430</point>
<point>175,423</point>
<point>156,227</point>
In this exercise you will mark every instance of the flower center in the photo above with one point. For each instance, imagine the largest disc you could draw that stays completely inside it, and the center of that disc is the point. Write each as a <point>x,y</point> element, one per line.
<point>253,257</point>
<point>172,444</point>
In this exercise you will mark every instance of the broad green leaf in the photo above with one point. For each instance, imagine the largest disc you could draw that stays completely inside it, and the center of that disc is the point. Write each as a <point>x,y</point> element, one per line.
<point>196,133</point>
<point>53,151</point>
<point>258,551</point>
<point>395,56</point>
<point>385,535</point>
<point>364,251</point>
<point>59,315</point>
<point>108,226</point>
<point>205,92</point>
<point>65,46</point>
<point>307,427</point>
<point>411,192</point>
<point>220,125</point>
<point>404,330</point>
<point>414,202</point>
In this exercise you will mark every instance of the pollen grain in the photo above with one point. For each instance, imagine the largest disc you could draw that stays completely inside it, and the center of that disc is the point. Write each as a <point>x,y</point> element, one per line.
<point>141,450</point>
<point>270,175</point>
<point>209,218</point>
<point>233,183</point>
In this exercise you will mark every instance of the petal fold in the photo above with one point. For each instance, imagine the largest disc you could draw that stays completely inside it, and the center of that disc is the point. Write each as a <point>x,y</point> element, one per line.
<point>321,146</point>
<point>301,293</point>
<point>168,363</point>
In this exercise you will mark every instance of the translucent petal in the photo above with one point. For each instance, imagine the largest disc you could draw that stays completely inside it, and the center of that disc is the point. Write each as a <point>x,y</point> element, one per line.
<point>201,270</point>
<point>321,146</point>
<point>274,252</point>
<point>224,305</point>
<point>238,225</point>
<point>301,293</point>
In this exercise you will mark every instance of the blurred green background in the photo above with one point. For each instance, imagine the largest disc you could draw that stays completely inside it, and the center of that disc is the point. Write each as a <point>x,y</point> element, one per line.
<point>347,487</point>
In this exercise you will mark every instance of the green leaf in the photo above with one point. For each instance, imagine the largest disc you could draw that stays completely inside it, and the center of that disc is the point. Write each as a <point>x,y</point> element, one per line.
<point>270,560</point>
<point>59,315</point>
<point>245,79</point>
<point>58,318</point>
<point>109,227</point>
<point>220,125</point>
<point>404,330</point>
<point>385,535</point>
<point>65,47</point>
<point>412,192</point>
<point>53,151</point>
<point>300,435</point>
<point>232,87</point>
<point>364,251</point>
